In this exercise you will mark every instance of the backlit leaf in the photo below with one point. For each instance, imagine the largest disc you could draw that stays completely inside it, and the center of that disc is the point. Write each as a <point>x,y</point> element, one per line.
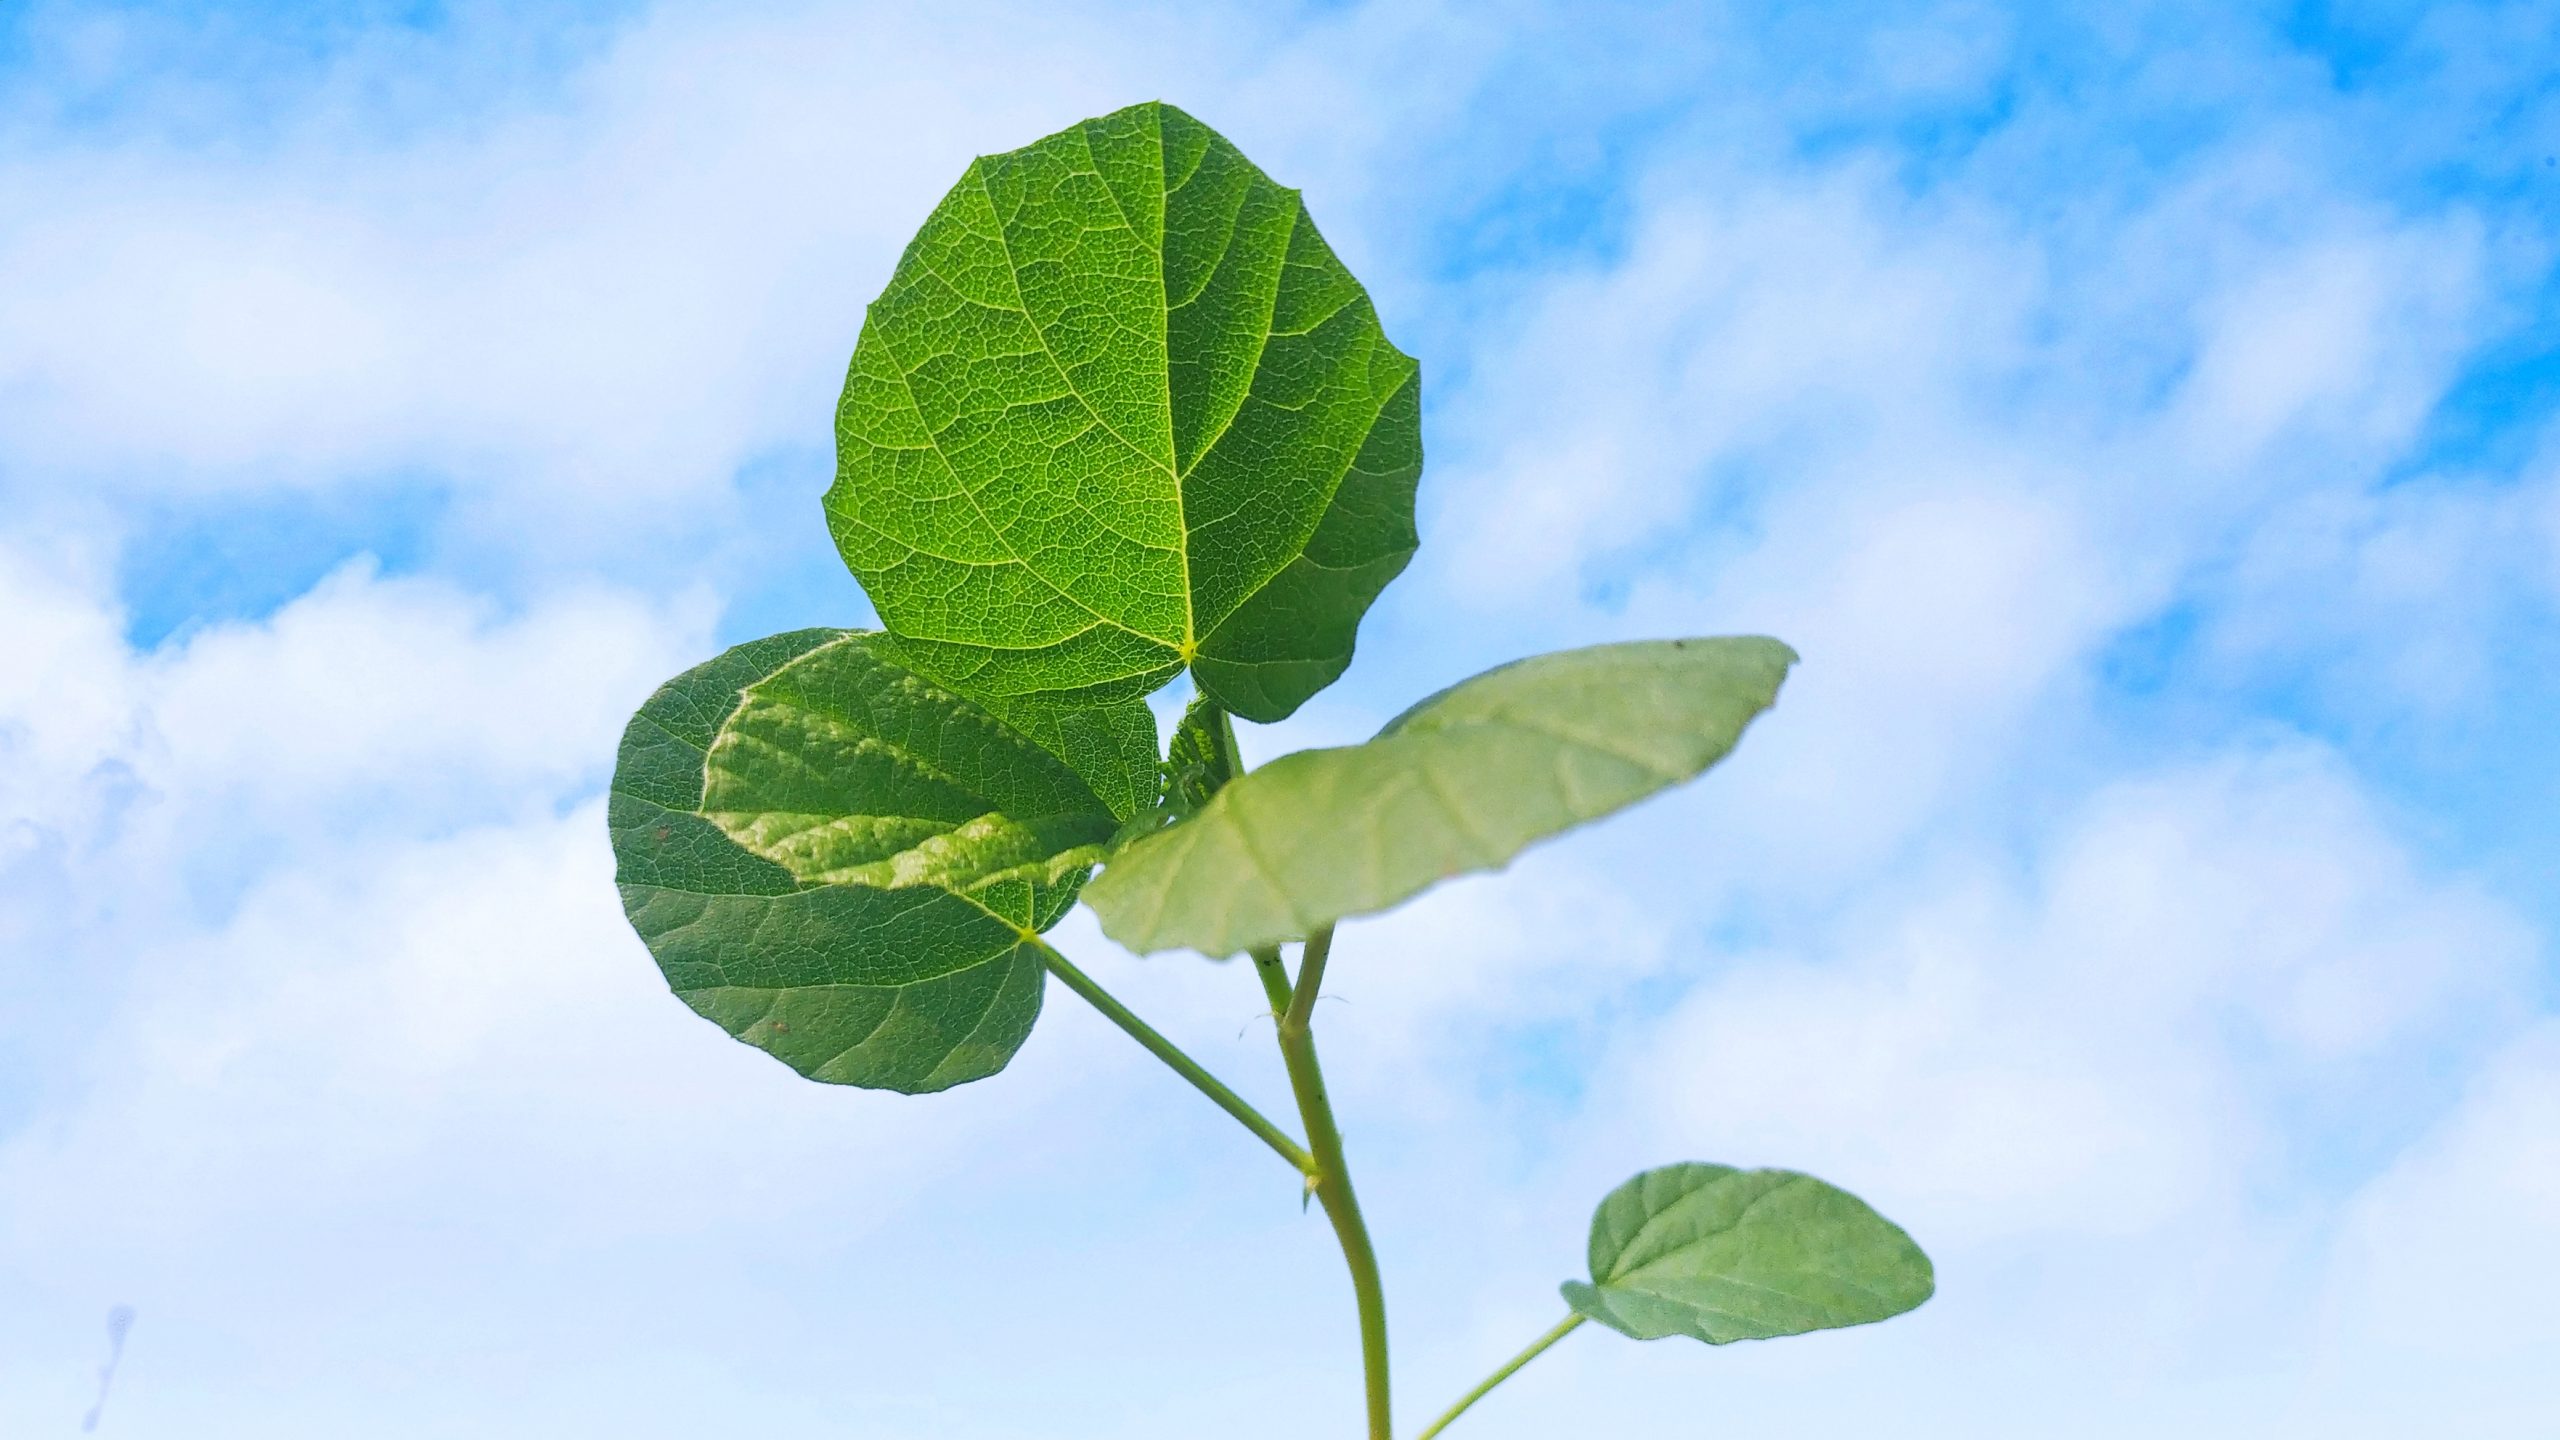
<point>1121,410</point>
<point>1463,781</point>
<point>1721,1254</point>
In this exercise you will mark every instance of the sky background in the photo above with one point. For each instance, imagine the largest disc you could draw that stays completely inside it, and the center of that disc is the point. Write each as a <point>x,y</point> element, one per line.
<point>2140,418</point>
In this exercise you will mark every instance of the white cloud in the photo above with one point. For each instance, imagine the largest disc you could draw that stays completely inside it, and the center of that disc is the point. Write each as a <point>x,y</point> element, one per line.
<point>1822,335</point>
<point>1778,328</point>
<point>65,702</point>
<point>367,685</point>
<point>2306,337</point>
<point>407,697</point>
<point>364,1021</point>
<point>2434,1313</point>
<point>2444,1264</point>
<point>588,302</point>
<point>580,305</point>
<point>1935,629</point>
<point>2390,603</point>
<point>2119,1042</point>
<point>144,796</point>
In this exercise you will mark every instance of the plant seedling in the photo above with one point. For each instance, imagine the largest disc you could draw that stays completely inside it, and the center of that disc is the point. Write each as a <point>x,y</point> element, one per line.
<point>1122,416</point>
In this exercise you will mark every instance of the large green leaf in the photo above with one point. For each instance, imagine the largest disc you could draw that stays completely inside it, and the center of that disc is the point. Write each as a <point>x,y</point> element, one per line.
<point>1722,1254</point>
<point>1463,781</point>
<point>1121,410</point>
<point>842,864</point>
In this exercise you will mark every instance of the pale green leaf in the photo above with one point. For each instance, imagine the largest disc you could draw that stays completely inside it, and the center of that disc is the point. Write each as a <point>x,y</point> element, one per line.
<point>1464,781</point>
<point>840,863</point>
<point>1121,410</point>
<point>1721,1254</point>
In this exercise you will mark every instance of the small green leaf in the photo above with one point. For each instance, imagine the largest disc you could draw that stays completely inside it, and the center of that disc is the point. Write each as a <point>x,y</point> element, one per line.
<point>1198,761</point>
<point>1199,749</point>
<point>840,863</point>
<point>1121,410</point>
<point>1721,1254</point>
<point>1463,781</point>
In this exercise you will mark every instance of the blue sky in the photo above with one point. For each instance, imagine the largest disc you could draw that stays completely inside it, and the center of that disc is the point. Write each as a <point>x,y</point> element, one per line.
<point>2140,422</point>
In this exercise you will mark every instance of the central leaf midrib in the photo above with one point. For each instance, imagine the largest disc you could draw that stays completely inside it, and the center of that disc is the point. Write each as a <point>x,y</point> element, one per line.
<point>907,382</point>
<point>1022,305</point>
<point>1262,343</point>
<point>1262,348</point>
<point>1013,273</point>
<point>1164,342</point>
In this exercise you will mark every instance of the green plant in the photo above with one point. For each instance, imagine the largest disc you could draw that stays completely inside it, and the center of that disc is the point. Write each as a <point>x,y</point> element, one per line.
<point>1120,416</point>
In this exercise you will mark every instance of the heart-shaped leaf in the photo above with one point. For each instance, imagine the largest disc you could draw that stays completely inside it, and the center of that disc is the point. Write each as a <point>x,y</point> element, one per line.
<point>1463,781</point>
<point>1721,1254</point>
<point>1121,410</point>
<point>842,864</point>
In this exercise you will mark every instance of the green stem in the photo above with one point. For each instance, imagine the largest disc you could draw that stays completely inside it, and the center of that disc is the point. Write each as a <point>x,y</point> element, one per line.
<point>1536,1348</point>
<point>1266,959</point>
<point>1183,1065</point>
<point>1331,1179</point>
<point>1275,979</point>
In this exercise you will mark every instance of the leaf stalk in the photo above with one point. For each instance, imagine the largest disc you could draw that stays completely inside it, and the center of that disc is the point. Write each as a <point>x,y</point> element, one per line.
<point>1275,979</point>
<point>1182,1065</point>
<point>1510,1367</point>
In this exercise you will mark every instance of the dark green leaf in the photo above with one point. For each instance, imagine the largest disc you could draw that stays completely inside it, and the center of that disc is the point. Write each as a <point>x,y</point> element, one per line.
<point>1121,410</point>
<point>1721,1254</point>
<point>1463,781</point>
<point>841,864</point>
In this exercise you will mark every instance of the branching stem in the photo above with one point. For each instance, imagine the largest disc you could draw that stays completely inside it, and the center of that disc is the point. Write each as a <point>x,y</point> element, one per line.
<point>1293,1005</point>
<point>1510,1367</point>
<point>1183,1065</point>
<point>1331,1178</point>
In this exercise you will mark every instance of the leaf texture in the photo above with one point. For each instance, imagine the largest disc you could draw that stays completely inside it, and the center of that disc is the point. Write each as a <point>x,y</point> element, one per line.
<point>840,863</point>
<point>1121,410</point>
<point>1463,781</point>
<point>1720,1254</point>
